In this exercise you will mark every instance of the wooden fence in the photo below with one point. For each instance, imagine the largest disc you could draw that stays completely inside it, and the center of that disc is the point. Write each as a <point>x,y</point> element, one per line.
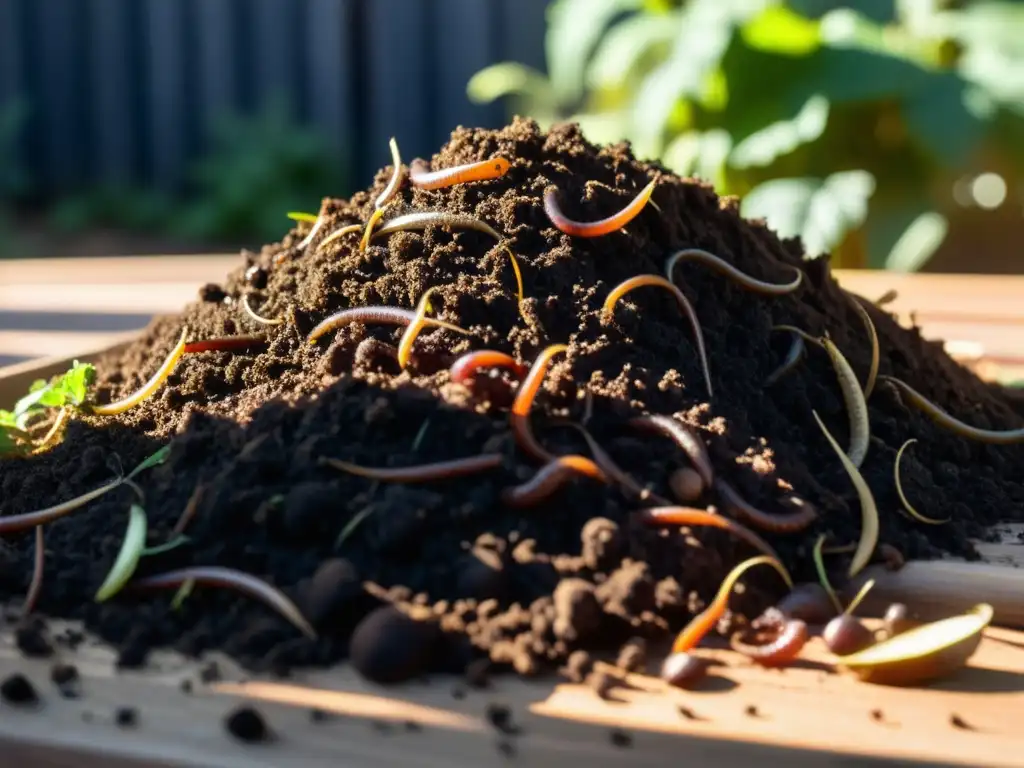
<point>125,91</point>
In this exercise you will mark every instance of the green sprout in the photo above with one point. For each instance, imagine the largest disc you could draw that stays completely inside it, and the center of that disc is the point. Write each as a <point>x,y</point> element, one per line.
<point>301,217</point>
<point>128,558</point>
<point>67,391</point>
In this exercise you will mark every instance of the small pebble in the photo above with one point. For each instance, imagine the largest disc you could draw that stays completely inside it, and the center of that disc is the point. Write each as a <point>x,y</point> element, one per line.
<point>958,722</point>
<point>18,690</point>
<point>317,715</point>
<point>412,726</point>
<point>185,686</point>
<point>210,673</point>
<point>621,738</point>
<point>752,711</point>
<point>63,674</point>
<point>507,749</point>
<point>500,716</point>
<point>126,717</point>
<point>686,485</point>
<point>32,641</point>
<point>248,725</point>
<point>478,674</point>
<point>687,714</point>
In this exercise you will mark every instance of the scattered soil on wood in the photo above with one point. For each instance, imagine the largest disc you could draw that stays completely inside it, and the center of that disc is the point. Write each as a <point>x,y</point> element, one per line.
<point>525,587</point>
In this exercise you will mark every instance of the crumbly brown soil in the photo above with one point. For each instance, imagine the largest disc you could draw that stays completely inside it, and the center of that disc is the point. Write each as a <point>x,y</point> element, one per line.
<point>526,586</point>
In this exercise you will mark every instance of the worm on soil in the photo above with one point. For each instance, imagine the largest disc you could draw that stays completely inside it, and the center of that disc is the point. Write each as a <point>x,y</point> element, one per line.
<point>384,197</point>
<point>683,436</point>
<point>520,415</point>
<point>485,170</point>
<point>740,278</point>
<point>441,470</point>
<point>899,490</point>
<point>595,228</point>
<point>786,522</point>
<point>375,315</point>
<point>856,405</point>
<point>147,389</point>
<point>549,478</point>
<point>424,219</point>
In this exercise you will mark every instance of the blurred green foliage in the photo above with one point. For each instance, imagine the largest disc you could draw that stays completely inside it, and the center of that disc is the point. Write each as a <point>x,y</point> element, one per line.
<point>14,180</point>
<point>844,123</point>
<point>257,168</point>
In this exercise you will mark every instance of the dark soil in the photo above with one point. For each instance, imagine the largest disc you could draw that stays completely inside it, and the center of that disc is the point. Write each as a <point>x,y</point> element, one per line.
<point>525,587</point>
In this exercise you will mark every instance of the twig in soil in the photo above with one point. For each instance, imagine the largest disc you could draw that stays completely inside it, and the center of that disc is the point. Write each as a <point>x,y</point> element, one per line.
<point>442,470</point>
<point>375,315</point>
<point>13,523</point>
<point>613,470</point>
<point>910,510</point>
<point>789,640</point>
<point>688,516</point>
<point>868,509</point>
<point>796,353</point>
<point>943,419</point>
<point>339,233</point>
<point>657,281</point>
<point>549,479</point>
<point>245,583</point>
<point>703,622</point>
<point>595,228</point>
<point>723,267</point>
<point>856,405</point>
<point>147,389</point>
<point>36,585</point>
<point>384,197</point>
<point>424,219</point>
<point>413,329</point>
<point>127,559</point>
<point>247,307</point>
<point>683,436</point>
<point>819,566</point>
<point>520,414</point>
<point>469,365</point>
<point>790,522</point>
<point>225,344</point>
<point>869,326</point>
<point>421,176</point>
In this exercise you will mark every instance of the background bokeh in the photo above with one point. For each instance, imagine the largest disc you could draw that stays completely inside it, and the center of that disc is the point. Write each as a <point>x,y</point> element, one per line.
<point>890,133</point>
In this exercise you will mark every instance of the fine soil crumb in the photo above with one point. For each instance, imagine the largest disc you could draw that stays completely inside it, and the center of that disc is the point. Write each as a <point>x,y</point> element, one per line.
<point>317,715</point>
<point>958,722</point>
<point>578,666</point>
<point>633,655</point>
<point>246,724</point>
<point>64,674</point>
<point>32,639</point>
<point>621,738</point>
<point>126,717</point>
<point>210,673</point>
<point>18,690</point>
<point>500,716</point>
<point>507,749</point>
<point>524,587</point>
<point>751,710</point>
<point>687,714</point>
<point>478,674</point>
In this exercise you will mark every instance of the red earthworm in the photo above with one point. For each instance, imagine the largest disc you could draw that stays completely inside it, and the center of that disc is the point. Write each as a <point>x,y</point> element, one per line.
<point>688,516</point>
<point>791,522</point>
<point>441,470</point>
<point>520,415</point>
<point>595,228</point>
<point>658,281</point>
<point>424,219</point>
<point>225,344</point>
<point>780,651</point>
<point>247,584</point>
<point>727,269</point>
<point>422,177</point>
<point>683,436</point>
<point>377,315</point>
<point>40,517</point>
<point>36,585</point>
<point>469,364</point>
<point>613,470</point>
<point>549,479</point>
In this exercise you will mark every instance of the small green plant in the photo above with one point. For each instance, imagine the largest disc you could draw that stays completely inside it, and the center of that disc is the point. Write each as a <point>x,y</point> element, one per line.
<point>68,390</point>
<point>844,123</point>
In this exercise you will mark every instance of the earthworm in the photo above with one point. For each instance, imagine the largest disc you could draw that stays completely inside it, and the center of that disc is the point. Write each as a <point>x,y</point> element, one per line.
<point>785,647</point>
<point>375,315</point>
<point>868,509</point>
<point>613,470</point>
<point>424,219</point>
<point>384,197</point>
<point>549,479</point>
<point>258,318</point>
<point>602,226</point>
<point>520,415</point>
<point>793,357</point>
<point>36,585</point>
<point>413,329</point>
<point>723,267</point>
<point>869,326</point>
<point>247,584</point>
<point>658,281</point>
<point>790,522</point>
<point>689,516</point>
<point>13,523</point>
<point>856,405</point>
<point>683,436</point>
<point>337,234</point>
<point>422,177</point>
<point>469,365</point>
<point>899,490</point>
<point>421,473</point>
<point>225,344</point>
<point>520,294</point>
<point>147,389</point>
<point>943,419</point>
<point>702,623</point>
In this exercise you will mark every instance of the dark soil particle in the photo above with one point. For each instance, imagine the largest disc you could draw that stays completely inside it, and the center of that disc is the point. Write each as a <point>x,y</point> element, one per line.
<point>126,717</point>
<point>620,738</point>
<point>18,690</point>
<point>64,674</point>
<point>32,639</point>
<point>246,724</point>
<point>523,587</point>
<point>500,716</point>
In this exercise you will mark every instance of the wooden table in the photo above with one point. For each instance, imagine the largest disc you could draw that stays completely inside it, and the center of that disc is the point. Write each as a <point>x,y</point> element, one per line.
<point>801,716</point>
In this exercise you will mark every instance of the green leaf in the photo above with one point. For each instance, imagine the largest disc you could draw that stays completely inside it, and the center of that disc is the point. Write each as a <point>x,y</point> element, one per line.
<point>300,216</point>
<point>573,30</point>
<point>819,211</point>
<point>782,137</point>
<point>700,154</point>
<point>509,78</point>
<point>151,461</point>
<point>779,30</point>
<point>620,51</point>
<point>938,116</point>
<point>128,557</point>
<point>7,444</point>
<point>68,389</point>
<point>918,243</point>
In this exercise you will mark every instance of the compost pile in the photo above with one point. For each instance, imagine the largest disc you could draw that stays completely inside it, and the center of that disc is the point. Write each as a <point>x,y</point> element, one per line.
<point>525,585</point>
